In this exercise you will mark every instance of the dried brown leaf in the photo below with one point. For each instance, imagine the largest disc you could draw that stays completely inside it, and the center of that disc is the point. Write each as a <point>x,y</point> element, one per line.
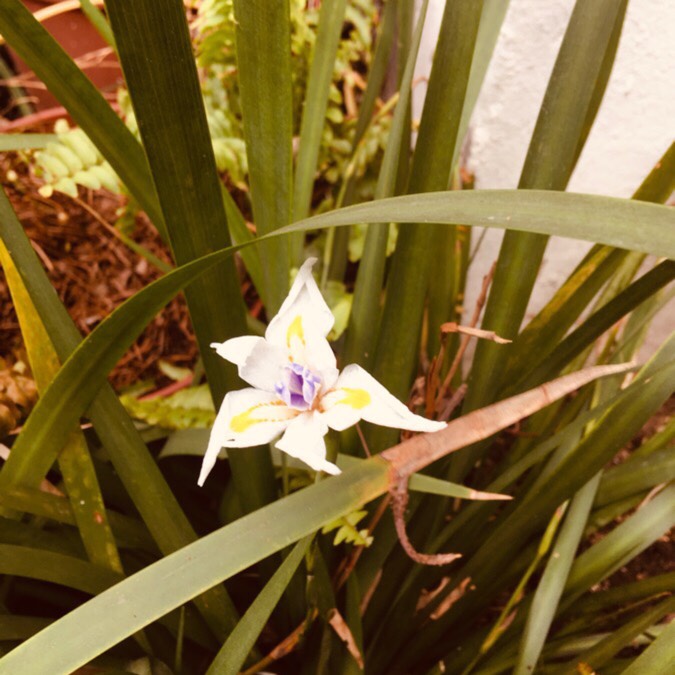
<point>415,454</point>
<point>452,327</point>
<point>345,634</point>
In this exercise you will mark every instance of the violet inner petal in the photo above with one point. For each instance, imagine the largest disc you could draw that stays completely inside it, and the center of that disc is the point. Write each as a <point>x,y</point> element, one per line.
<point>298,387</point>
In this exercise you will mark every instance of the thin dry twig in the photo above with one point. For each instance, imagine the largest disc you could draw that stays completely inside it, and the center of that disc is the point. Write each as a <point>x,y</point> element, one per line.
<point>464,343</point>
<point>362,438</point>
<point>350,563</point>
<point>286,646</point>
<point>454,401</point>
<point>452,327</point>
<point>454,595</point>
<point>399,502</point>
<point>367,596</point>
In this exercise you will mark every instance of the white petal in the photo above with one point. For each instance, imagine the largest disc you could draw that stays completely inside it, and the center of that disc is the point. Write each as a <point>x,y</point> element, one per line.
<point>303,308</point>
<point>303,439</point>
<point>259,363</point>
<point>246,418</point>
<point>238,349</point>
<point>263,367</point>
<point>358,395</point>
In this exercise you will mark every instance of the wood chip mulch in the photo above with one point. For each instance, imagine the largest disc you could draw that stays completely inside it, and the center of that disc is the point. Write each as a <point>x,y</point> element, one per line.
<point>93,272</point>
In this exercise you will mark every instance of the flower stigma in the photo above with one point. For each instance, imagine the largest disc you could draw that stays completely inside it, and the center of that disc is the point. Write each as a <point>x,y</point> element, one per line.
<point>298,387</point>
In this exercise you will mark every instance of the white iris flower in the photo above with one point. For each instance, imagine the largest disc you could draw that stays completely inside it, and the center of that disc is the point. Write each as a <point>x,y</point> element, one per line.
<point>296,389</point>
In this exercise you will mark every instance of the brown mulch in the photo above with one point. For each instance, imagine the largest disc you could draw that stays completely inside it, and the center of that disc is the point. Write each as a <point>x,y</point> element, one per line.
<point>93,272</point>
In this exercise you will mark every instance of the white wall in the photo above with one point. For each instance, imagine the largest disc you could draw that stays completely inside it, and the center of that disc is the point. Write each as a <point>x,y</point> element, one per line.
<point>634,126</point>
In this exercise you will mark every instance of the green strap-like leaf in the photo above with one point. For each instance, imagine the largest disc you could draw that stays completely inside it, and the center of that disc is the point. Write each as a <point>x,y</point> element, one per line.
<point>622,544</point>
<point>265,89</point>
<point>572,95</point>
<point>76,466</point>
<point>142,598</point>
<point>98,21</point>
<point>172,121</point>
<point>331,18</point>
<point>570,300</point>
<point>605,220</point>
<point>378,69</point>
<point>360,343</point>
<point>57,568</point>
<point>551,585</point>
<point>598,655</point>
<point>128,531</point>
<point>552,362</point>
<point>633,477</point>
<point>658,658</point>
<point>419,482</point>
<point>9,142</point>
<point>240,234</point>
<point>233,653</point>
<point>396,353</point>
<point>491,20</point>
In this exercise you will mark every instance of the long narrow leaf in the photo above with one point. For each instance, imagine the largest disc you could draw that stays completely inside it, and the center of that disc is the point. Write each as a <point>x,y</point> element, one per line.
<point>76,465</point>
<point>491,20</point>
<point>331,18</point>
<point>597,324</point>
<point>56,568</point>
<point>551,585</point>
<point>396,353</point>
<point>264,73</point>
<point>361,337</point>
<point>598,655</point>
<point>622,544</point>
<point>571,96</point>
<point>233,653</point>
<point>605,220</point>
<point>128,531</point>
<point>633,477</point>
<point>553,321</point>
<point>657,658</point>
<point>172,121</point>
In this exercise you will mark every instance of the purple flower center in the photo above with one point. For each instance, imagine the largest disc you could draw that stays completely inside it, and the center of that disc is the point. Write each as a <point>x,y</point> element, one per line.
<point>298,386</point>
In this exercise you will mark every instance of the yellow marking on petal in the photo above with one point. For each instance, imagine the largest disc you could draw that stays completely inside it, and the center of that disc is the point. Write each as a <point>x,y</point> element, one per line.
<point>295,330</point>
<point>356,398</point>
<point>243,421</point>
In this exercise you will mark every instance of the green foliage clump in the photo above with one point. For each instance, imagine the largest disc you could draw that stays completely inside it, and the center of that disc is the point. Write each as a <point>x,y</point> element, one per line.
<point>347,530</point>
<point>189,408</point>
<point>215,44</point>
<point>72,160</point>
